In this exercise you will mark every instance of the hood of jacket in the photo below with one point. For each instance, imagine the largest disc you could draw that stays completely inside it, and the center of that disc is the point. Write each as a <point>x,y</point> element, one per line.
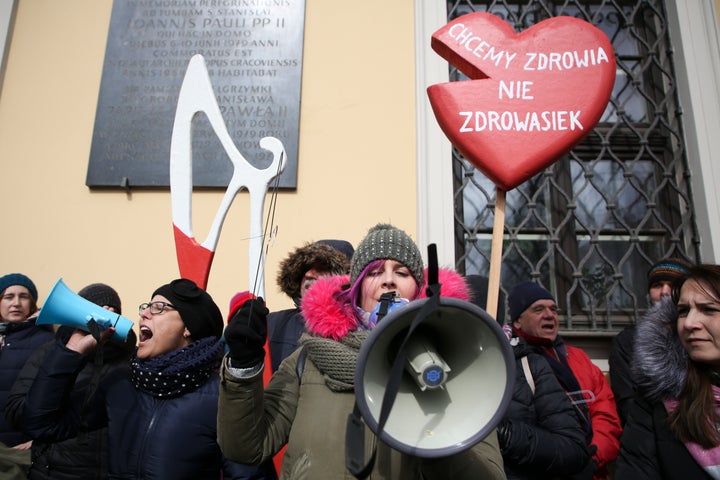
<point>659,359</point>
<point>320,256</point>
<point>325,317</point>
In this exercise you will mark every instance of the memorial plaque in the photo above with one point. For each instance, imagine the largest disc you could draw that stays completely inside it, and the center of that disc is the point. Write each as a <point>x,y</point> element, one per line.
<point>253,51</point>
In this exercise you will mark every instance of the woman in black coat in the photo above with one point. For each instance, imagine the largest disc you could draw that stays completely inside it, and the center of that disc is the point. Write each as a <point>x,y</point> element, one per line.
<point>540,437</point>
<point>672,428</point>
<point>161,408</point>
<point>19,338</point>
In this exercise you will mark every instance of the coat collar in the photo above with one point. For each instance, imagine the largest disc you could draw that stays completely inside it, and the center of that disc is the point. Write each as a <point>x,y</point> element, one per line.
<point>325,317</point>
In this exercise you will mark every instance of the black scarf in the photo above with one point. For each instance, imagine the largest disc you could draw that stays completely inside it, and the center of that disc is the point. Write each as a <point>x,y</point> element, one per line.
<point>7,328</point>
<point>178,372</point>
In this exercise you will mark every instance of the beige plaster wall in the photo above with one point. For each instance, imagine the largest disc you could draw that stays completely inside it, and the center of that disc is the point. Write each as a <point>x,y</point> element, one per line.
<point>356,159</point>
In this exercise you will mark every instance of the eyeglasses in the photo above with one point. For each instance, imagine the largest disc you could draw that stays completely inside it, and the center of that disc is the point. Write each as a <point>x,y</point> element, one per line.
<point>155,307</point>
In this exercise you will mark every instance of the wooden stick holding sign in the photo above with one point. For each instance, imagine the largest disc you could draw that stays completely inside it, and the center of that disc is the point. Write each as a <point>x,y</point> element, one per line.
<point>496,254</point>
<point>531,97</point>
<point>194,259</point>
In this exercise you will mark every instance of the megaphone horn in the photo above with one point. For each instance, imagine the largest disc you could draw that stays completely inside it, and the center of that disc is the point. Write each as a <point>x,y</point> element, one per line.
<point>65,307</point>
<point>458,380</point>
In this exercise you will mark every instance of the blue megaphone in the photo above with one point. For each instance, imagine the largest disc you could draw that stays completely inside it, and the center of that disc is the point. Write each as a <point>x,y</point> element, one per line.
<point>65,307</point>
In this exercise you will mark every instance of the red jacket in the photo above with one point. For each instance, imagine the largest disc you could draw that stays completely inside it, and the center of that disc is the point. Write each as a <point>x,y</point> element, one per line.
<point>603,413</point>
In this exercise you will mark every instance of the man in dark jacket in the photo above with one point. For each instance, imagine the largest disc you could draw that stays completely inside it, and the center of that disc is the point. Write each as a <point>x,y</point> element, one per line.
<point>534,316</point>
<point>539,435</point>
<point>297,273</point>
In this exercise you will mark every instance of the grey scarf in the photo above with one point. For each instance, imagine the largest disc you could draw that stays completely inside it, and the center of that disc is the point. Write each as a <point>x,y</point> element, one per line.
<point>335,359</point>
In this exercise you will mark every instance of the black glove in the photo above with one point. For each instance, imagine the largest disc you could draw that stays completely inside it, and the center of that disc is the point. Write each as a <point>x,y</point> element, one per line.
<point>246,333</point>
<point>503,434</point>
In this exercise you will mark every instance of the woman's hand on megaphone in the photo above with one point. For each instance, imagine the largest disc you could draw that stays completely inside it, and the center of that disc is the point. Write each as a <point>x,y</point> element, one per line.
<point>246,333</point>
<point>83,342</point>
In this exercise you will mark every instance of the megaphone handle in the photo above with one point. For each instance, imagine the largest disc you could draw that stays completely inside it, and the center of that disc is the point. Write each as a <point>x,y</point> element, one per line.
<point>94,329</point>
<point>398,365</point>
<point>433,268</point>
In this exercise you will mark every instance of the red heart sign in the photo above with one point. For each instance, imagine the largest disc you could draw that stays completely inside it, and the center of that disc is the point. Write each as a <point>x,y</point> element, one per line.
<point>532,95</point>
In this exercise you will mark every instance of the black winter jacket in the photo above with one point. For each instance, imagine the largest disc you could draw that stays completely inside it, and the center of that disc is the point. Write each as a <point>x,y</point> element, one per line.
<point>148,437</point>
<point>284,330</point>
<point>20,341</point>
<point>83,456</point>
<point>620,362</point>
<point>540,437</point>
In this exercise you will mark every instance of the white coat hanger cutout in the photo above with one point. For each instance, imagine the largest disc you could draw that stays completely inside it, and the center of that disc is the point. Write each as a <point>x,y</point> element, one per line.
<point>194,259</point>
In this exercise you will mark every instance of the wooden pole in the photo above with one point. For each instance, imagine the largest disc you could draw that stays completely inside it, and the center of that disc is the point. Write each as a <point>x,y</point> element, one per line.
<point>496,254</point>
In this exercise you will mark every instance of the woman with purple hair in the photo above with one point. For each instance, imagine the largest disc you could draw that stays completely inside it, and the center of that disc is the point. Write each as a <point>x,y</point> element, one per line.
<point>306,405</point>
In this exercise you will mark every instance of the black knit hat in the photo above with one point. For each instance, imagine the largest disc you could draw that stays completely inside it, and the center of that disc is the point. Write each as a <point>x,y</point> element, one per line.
<point>103,295</point>
<point>385,241</point>
<point>343,246</point>
<point>197,309</point>
<point>324,256</point>
<point>523,295</point>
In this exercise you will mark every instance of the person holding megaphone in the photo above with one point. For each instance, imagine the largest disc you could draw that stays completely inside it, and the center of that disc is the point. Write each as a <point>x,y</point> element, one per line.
<point>70,458</point>
<point>308,400</point>
<point>160,409</point>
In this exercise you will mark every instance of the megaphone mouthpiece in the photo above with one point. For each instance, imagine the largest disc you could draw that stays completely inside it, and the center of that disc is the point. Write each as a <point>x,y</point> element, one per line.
<point>424,363</point>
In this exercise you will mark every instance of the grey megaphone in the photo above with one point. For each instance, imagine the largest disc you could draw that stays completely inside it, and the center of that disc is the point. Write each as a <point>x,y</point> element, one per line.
<point>65,307</point>
<point>457,384</point>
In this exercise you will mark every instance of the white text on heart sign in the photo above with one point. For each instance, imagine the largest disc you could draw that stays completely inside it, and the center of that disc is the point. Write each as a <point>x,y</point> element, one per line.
<point>533,60</point>
<point>479,121</point>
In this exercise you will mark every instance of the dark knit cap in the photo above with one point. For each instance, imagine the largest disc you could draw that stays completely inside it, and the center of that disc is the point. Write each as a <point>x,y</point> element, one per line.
<point>18,279</point>
<point>667,270</point>
<point>323,256</point>
<point>197,309</point>
<point>103,295</point>
<point>523,295</point>
<point>343,246</point>
<point>385,241</point>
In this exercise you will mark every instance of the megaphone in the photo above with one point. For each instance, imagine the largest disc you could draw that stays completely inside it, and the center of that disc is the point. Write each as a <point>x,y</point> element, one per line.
<point>458,379</point>
<point>65,307</point>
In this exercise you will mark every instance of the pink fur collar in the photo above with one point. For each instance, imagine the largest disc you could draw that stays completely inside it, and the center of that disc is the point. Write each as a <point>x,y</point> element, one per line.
<point>325,317</point>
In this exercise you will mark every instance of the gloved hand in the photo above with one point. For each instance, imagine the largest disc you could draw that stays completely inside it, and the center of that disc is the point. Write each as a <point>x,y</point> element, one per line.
<point>246,333</point>
<point>503,433</point>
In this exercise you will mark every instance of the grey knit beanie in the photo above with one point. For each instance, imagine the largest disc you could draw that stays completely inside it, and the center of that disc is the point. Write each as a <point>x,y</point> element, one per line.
<point>385,241</point>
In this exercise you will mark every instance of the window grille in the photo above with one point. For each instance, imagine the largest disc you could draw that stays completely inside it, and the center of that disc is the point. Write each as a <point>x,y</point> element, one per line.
<point>589,227</point>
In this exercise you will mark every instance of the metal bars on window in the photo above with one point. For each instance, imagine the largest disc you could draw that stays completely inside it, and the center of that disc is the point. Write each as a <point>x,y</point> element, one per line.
<point>589,227</point>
